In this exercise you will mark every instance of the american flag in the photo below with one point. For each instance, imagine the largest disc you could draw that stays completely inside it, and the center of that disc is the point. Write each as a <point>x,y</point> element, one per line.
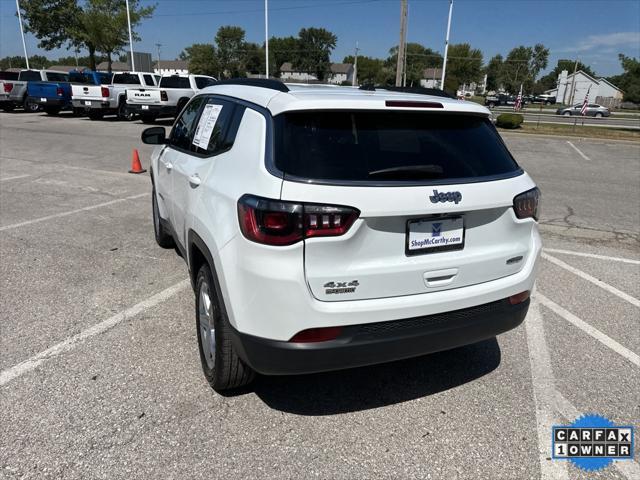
<point>585,104</point>
<point>518,105</point>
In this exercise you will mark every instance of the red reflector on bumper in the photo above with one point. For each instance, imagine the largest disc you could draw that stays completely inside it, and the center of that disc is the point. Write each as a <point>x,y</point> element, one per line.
<point>316,335</point>
<point>519,298</point>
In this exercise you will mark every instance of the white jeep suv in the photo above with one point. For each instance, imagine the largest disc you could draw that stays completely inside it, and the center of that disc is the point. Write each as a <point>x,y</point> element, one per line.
<point>331,227</point>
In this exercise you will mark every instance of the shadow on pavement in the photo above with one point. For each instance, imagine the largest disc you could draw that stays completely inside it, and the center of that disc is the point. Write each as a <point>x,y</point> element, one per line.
<point>379,385</point>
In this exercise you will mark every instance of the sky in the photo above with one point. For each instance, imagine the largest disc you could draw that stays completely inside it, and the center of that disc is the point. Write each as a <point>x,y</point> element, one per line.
<point>593,31</point>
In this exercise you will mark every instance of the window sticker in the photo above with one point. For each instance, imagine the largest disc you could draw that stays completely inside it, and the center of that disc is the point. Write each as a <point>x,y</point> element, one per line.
<point>206,125</point>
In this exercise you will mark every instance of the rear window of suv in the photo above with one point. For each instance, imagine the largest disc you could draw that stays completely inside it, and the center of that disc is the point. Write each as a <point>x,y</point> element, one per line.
<point>389,146</point>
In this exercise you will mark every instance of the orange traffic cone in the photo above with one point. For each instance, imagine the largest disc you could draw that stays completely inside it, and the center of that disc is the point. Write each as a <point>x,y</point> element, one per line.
<point>136,166</point>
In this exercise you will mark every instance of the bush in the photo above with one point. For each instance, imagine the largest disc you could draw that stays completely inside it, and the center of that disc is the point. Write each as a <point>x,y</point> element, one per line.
<point>509,120</point>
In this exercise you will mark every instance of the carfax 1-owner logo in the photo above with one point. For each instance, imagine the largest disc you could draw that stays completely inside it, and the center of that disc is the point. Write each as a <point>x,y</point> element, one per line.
<point>592,442</point>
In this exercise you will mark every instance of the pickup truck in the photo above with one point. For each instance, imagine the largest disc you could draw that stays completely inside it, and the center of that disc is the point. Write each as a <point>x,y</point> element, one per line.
<point>168,99</point>
<point>52,95</point>
<point>100,100</point>
<point>17,89</point>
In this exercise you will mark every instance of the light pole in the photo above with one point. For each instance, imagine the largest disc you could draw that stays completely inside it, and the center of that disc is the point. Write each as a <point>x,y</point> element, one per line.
<point>158,45</point>
<point>354,81</point>
<point>266,37</point>
<point>24,45</point>
<point>133,62</point>
<point>446,46</point>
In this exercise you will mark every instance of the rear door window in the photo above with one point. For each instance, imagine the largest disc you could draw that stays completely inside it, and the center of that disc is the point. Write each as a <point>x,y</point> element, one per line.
<point>389,146</point>
<point>126,79</point>
<point>174,82</point>
<point>217,127</point>
<point>148,80</point>
<point>182,133</point>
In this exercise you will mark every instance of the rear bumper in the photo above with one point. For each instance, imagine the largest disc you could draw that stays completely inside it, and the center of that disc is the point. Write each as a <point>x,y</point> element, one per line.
<point>155,110</point>
<point>371,343</point>
<point>95,104</point>
<point>51,102</point>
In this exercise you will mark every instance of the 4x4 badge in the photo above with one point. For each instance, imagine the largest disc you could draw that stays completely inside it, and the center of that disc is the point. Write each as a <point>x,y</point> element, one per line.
<point>445,197</point>
<point>341,287</point>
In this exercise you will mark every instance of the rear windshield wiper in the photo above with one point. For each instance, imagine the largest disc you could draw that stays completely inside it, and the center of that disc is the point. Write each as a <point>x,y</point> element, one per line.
<point>410,171</point>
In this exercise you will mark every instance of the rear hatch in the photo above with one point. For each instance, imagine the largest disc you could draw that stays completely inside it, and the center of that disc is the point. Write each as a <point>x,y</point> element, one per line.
<point>434,193</point>
<point>89,92</point>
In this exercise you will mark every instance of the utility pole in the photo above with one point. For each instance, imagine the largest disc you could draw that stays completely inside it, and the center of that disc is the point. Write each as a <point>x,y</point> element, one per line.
<point>24,45</point>
<point>573,83</point>
<point>158,45</point>
<point>403,41</point>
<point>133,62</point>
<point>406,53</point>
<point>446,46</point>
<point>354,81</point>
<point>266,37</point>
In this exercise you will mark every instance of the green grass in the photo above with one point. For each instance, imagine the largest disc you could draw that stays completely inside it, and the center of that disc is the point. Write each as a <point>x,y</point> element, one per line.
<point>578,131</point>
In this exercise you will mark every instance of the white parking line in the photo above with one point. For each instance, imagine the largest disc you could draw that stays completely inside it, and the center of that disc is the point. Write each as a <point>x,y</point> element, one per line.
<point>593,255</point>
<point>588,329</point>
<point>31,363</point>
<point>5,179</point>
<point>71,212</point>
<point>578,150</point>
<point>625,296</point>
<point>544,393</point>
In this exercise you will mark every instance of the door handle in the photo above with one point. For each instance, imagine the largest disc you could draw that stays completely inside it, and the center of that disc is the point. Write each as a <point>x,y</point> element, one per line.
<point>194,180</point>
<point>168,165</point>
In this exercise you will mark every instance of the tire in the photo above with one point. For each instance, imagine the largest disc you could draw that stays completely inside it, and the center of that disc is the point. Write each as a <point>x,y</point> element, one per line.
<point>78,112</point>
<point>547,103</point>
<point>222,367</point>
<point>598,115</point>
<point>30,107</point>
<point>491,104</point>
<point>123,113</point>
<point>163,238</point>
<point>95,114</point>
<point>148,118</point>
<point>567,114</point>
<point>8,107</point>
<point>52,110</point>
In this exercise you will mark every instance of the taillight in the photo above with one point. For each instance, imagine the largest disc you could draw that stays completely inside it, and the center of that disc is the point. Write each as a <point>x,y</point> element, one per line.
<point>104,92</point>
<point>8,87</point>
<point>313,335</point>
<point>163,96</point>
<point>59,91</point>
<point>526,205</point>
<point>276,222</point>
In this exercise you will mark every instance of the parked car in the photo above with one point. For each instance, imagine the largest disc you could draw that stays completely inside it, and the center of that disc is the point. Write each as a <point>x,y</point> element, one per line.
<point>544,99</point>
<point>307,251</point>
<point>17,89</point>
<point>172,94</point>
<point>101,100</point>
<point>593,110</point>
<point>53,94</point>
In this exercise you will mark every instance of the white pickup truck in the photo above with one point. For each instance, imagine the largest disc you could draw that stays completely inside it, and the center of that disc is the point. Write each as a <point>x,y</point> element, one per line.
<point>101,100</point>
<point>13,92</point>
<point>168,99</point>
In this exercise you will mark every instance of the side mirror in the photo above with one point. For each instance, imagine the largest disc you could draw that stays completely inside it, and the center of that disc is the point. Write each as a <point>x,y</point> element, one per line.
<point>154,136</point>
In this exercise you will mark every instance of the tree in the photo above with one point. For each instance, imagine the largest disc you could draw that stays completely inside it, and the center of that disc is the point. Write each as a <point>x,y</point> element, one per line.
<point>629,81</point>
<point>253,58</point>
<point>418,59</point>
<point>230,45</point>
<point>202,59</point>
<point>281,50</point>
<point>97,25</point>
<point>464,65</point>
<point>314,51</point>
<point>494,72</point>
<point>35,61</point>
<point>522,65</point>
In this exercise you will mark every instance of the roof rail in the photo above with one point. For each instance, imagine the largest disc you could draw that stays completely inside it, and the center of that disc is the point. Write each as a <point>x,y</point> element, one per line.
<point>434,92</point>
<point>256,82</point>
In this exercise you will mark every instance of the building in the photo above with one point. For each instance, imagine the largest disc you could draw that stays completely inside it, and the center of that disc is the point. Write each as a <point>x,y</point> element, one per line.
<point>571,89</point>
<point>340,73</point>
<point>171,67</point>
<point>431,78</point>
<point>66,68</point>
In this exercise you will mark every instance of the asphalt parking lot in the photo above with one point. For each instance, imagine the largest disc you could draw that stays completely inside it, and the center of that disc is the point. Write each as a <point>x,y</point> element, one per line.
<point>100,376</point>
